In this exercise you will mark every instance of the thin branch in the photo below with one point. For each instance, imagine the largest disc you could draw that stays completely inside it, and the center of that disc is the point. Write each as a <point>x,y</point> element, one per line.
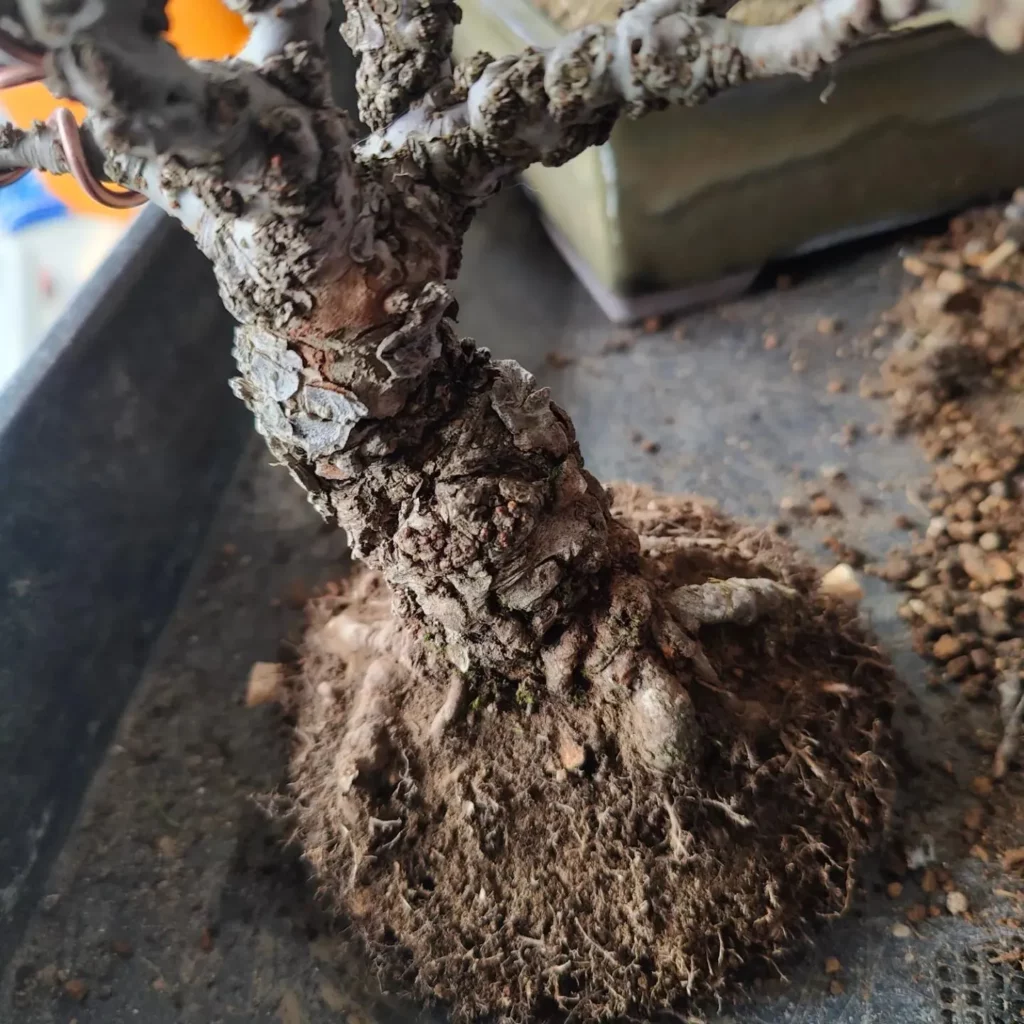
<point>404,49</point>
<point>39,149</point>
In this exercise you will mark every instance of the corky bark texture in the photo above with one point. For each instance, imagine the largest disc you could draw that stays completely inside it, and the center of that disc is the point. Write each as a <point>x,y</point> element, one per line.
<point>509,581</point>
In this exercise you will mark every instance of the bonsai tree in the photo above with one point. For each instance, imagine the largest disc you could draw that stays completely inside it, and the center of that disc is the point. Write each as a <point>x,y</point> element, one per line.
<point>555,745</point>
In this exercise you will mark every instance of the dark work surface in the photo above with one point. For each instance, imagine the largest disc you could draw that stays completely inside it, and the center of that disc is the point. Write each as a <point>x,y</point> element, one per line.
<point>175,902</point>
<point>116,442</point>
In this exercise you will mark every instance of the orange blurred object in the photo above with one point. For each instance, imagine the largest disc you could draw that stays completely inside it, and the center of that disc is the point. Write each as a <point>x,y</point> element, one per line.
<point>200,29</point>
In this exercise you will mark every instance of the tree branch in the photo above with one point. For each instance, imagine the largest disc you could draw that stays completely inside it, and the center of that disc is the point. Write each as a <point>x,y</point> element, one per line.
<point>404,49</point>
<point>547,106</point>
<point>39,149</point>
<point>275,24</point>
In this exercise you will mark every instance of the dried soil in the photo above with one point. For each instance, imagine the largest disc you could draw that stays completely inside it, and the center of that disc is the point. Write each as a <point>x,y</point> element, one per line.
<point>520,866</point>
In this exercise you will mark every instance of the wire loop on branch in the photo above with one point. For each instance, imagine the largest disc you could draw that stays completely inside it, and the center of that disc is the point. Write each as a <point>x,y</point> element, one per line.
<point>27,66</point>
<point>71,142</point>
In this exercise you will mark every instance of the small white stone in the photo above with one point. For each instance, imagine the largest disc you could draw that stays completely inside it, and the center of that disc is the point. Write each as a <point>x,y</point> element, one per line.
<point>901,930</point>
<point>841,582</point>
<point>956,903</point>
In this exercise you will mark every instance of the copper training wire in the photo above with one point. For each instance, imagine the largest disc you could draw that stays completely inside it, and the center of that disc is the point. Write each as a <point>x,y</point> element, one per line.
<point>71,142</point>
<point>28,67</point>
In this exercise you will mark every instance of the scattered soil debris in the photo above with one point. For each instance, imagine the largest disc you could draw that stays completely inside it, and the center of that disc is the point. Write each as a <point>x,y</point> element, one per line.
<point>955,378</point>
<point>76,989</point>
<point>265,682</point>
<point>957,903</point>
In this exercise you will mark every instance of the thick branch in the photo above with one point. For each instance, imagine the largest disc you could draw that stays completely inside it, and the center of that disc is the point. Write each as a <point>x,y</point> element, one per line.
<point>275,24</point>
<point>548,106</point>
<point>404,49</point>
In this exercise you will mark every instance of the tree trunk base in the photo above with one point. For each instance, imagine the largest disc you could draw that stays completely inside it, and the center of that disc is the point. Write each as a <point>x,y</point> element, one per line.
<point>515,851</point>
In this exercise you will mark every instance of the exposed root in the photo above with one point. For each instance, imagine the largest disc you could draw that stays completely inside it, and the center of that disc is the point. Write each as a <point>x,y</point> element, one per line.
<point>345,635</point>
<point>1011,708</point>
<point>667,806</point>
<point>740,601</point>
<point>452,705</point>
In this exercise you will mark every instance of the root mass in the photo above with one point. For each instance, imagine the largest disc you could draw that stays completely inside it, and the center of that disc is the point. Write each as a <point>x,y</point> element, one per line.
<point>682,791</point>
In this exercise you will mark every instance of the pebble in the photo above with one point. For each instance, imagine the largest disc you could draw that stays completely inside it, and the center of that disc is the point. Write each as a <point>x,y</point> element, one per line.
<point>996,599</point>
<point>956,903</point>
<point>832,965</point>
<point>951,281</point>
<point>266,680</point>
<point>915,265</point>
<point>990,541</point>
<point>167,847</point>
<point>975,564</point>
<point>841,582</point>
<point>947,647</point>
<point>982,786</point>
<point>901,930</point>
<point>1001,570</point>
<point>571,753</point>
<point>823,505</point>
<point>76,989</point>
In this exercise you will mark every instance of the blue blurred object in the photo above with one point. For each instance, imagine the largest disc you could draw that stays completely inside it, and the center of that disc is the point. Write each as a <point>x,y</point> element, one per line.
<point>28,202</point>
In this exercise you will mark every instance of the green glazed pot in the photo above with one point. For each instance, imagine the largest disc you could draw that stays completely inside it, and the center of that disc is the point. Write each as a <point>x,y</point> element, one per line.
<point>687,205</point>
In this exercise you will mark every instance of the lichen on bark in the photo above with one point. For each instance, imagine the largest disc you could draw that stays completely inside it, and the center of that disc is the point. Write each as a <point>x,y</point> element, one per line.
<point>518,643</point>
